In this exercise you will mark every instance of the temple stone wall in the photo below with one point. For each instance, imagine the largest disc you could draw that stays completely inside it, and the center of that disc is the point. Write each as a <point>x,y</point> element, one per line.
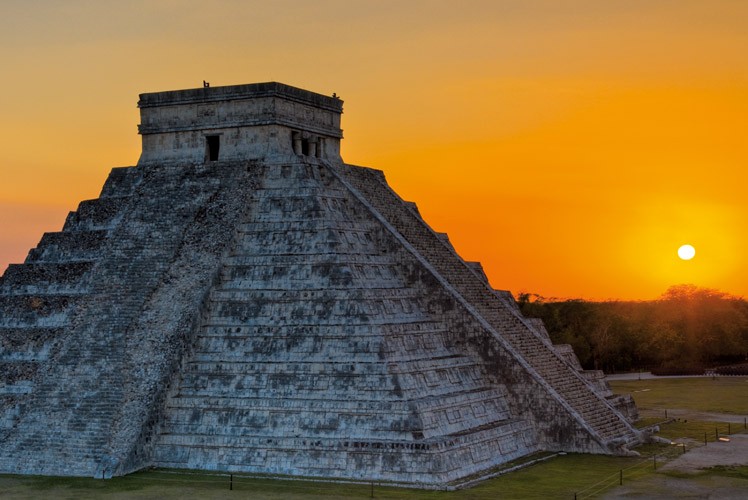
<point>250,303</point>
<point>247,122</point>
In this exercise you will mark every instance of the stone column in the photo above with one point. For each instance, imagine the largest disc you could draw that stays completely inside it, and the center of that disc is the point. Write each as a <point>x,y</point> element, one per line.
<point>312,146</point>
<point>296,137</point>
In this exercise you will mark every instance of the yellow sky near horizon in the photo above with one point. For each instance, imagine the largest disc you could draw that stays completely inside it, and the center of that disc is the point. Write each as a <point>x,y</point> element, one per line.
<point>571,147</point>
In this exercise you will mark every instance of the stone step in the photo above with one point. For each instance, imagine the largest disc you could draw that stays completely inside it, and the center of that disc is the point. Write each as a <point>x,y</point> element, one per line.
<point>388,330</point>
<point>296,402</point>
<point>351,277</point>
<point>35,311</point>
<point>313,351</point>
<point>96,215</point>
<point>298,245</point>
<point>304,225</point>
<point>69,246</point>
<point>263,313</point>
<point>22,339</point>
<point>45,278</point>
<point>240,424</point>
<point>266,258</point>
<point>121,181</point>
<point>203,382</point>
<point>292,295</point>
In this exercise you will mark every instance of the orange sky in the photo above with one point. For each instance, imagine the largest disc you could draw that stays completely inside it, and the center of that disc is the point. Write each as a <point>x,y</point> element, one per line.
<point>571,147</point>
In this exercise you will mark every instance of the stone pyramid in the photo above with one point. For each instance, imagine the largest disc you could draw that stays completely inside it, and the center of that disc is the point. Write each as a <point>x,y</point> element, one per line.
<point>242,300</point>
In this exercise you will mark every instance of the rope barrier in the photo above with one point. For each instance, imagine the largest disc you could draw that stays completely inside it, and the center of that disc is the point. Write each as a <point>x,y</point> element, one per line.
<point>665,455</point>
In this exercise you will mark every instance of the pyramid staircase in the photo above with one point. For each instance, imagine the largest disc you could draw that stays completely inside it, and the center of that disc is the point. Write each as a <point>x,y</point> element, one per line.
<point>591,410</point>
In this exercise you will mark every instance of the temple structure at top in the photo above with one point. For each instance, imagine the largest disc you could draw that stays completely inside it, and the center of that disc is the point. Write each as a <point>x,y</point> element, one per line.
<point>238,122</point>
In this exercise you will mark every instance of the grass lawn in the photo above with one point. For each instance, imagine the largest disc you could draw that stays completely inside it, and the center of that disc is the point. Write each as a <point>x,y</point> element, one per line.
<point>559,477</point>
<point>720,395</point>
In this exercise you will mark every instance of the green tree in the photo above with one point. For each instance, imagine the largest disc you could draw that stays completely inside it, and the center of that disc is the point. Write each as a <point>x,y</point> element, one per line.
<point>686,327</point>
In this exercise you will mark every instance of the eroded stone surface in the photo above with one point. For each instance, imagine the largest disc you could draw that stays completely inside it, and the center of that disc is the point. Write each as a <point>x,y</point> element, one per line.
<point>277,312</point>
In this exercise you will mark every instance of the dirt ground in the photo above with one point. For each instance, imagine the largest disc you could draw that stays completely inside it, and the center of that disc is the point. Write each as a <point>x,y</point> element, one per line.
<point>734,452</point>
<point>691,481</point>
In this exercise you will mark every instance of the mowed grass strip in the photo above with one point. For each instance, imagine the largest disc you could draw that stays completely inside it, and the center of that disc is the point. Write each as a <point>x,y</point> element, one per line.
<point>719,394</point>
<point>559,477</point>
<point>698,430</point>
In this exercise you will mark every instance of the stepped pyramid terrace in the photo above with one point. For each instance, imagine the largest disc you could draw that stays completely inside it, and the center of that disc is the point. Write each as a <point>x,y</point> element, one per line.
<point>242,300</point>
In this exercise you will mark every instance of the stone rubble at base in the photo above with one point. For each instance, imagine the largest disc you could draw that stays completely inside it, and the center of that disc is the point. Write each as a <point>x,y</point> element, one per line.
<point>242,300</point>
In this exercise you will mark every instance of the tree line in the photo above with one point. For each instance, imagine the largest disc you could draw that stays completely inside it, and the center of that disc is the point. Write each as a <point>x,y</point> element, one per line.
<point>686,330</point>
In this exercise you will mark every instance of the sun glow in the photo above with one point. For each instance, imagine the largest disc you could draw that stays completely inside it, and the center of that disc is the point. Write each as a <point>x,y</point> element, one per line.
<point>686,252</point>
<point>570,152</point>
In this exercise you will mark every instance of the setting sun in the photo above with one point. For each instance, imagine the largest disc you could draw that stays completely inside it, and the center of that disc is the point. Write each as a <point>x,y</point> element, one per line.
<point>686,252</point>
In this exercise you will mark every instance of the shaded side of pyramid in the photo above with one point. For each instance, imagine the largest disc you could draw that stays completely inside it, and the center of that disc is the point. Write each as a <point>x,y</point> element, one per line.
<point>242,300</point>
<point>94,322</point>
